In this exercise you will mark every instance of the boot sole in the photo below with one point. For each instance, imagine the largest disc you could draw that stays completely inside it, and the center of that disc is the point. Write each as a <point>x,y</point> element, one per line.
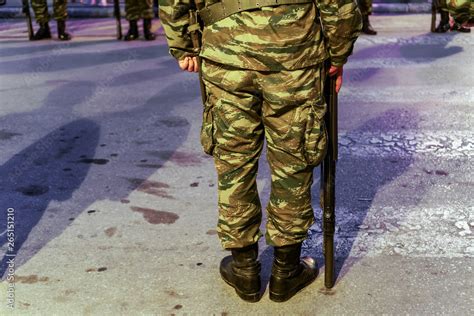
<point>253,297</point>
<point>276,297</point>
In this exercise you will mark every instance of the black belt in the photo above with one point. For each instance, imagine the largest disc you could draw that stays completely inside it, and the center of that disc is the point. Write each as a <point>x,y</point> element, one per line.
<point>220,10</point>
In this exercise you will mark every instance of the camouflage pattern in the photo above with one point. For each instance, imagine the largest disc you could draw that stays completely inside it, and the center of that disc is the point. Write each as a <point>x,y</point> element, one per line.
<point>460,10</point>
<point>365,6</point>
<point>270,39</point>
<point>262,70</point>
<point>137,9</point>
<point>40,7</point>
<point>243,107</point>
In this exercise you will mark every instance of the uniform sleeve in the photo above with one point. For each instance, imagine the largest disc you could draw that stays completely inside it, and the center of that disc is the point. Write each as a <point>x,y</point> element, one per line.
<point>342,24</point>
<point>174,16</point>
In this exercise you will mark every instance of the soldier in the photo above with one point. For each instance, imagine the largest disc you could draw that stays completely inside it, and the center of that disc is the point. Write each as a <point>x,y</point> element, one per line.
<point>263,72</point>
<point>365,7</point>
<point>462,12</point>
<point>40,7</point>
<point>457,9</point>
<point>134,10</point>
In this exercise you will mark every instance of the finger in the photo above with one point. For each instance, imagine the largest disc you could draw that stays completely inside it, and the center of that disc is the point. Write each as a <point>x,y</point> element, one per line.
<point>196,64</point>
<point>191,65</point>
<point>183,63</point>
<point>338,83</point>
<point>333,70</point>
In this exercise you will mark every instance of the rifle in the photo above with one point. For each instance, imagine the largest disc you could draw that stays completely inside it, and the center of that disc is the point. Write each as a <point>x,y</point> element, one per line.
<point>29,25</point>
<point>117,18</point>
<point>434,9</point>
<point>328,179</point>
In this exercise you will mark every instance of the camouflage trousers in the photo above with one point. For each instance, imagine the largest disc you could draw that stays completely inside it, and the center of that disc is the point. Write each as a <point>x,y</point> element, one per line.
<point>40,7</point>
<point>136,9</point>
<point>365,6</point>
<point>243,108</point>
<point>461,10</point>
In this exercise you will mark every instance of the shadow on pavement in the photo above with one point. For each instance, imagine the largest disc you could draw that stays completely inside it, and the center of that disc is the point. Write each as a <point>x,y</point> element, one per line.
<point>60,59</point>
<point>410,49</point>
<point>360,176</point>
<point>42,46</point>
<point>101,157</point>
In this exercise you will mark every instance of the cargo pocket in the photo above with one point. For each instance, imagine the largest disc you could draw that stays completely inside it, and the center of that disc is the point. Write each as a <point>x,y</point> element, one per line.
<point>207,128</point>
<point>315,142</point>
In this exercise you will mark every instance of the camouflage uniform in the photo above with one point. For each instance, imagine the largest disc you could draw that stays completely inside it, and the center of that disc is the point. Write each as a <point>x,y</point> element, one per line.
<point>263,74</point>
<point>365,7</point>
<point>40,7</point>
<point>136,9</point>
<point>460,10</point>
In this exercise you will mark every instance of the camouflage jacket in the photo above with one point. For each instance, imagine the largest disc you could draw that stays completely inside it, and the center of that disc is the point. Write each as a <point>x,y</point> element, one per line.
<point>269,39</point>
<point>461,10</point>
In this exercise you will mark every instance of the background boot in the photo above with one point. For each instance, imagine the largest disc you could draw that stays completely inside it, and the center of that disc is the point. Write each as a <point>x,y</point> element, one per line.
<point>366,27</point>
<point>132,33</point>
<point>149,36</point>
<point>459,28</point>
<point>443,25</point>
<point>242,272</point>
<point>290,274</point>
<point>62,35</point>
<point>43,32</point>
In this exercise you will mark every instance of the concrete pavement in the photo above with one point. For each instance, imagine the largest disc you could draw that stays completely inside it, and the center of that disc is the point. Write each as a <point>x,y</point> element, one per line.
<point>114,202</point>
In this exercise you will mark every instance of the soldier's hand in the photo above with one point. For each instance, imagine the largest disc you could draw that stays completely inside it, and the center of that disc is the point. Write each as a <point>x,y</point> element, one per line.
<point>337,71</point>
<point>189,64</point>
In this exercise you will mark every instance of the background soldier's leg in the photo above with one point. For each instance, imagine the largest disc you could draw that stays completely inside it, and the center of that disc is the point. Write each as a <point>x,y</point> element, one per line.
<point>443,25</point>
<point>40,8</point>
<point>293,111</point>
<point>60,10</point>
<point>365,7</point>
<point>132,10</point>
<point>132,14</point>
<point>146,9</point>
<point>60,15</point>
<point>232,131</point>
<point>147,15</point>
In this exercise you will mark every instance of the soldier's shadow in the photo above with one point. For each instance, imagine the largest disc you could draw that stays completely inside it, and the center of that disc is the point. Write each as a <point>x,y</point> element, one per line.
<point>358,180</point>
<point>46,171</point>
<point>104,156</point>
<point>421,49</point>
<point>357,176</point>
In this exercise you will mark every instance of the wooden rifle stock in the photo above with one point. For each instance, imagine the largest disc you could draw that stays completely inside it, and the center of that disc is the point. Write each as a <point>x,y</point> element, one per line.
<point>117,18</point>
<point>328,180</point>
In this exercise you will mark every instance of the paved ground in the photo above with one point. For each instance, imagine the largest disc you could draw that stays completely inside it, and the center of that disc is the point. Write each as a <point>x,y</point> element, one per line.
<point>114,203</point>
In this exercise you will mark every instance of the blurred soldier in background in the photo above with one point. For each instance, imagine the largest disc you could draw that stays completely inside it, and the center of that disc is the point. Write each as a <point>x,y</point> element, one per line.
<point>460,12</point>
<point>134,10</point>
<point>40,7</point>
<point>365,7</point>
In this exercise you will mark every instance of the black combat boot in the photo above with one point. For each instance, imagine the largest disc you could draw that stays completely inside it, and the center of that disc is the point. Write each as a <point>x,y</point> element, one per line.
<point>242,272</point>
<point>62,34</point>
<point>366,27</point>
<point>459,28</point>
<point>149,36</point>
<point>132,33</point>
<point>290,274</point>
<point>43,32</point>
<point>443,25</point>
